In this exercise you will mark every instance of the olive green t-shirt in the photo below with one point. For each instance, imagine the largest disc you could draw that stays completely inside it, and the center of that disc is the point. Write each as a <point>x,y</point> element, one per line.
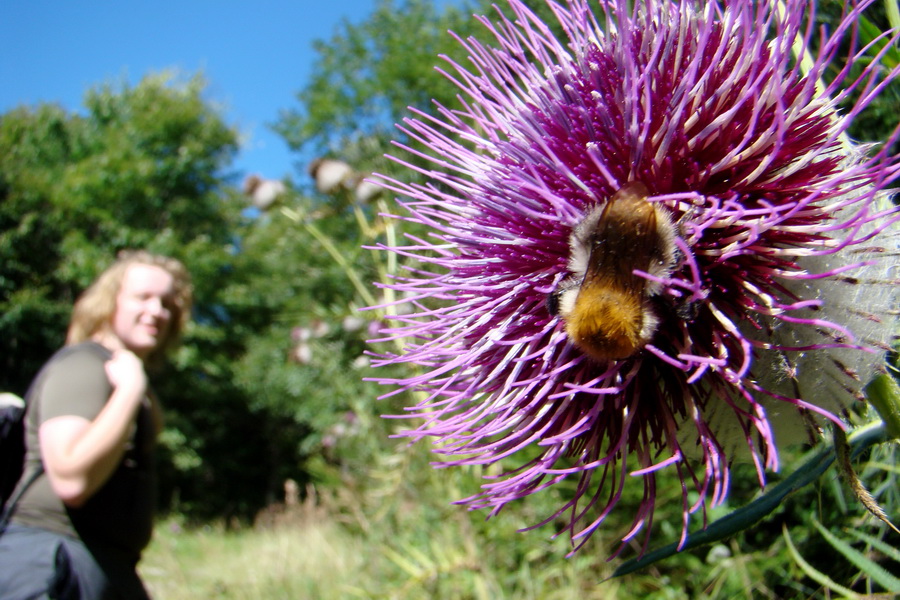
<point>120,514</point>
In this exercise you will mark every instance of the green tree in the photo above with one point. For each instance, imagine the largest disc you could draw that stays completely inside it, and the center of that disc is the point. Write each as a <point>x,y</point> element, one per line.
<point>367,74</point>
<point>32,303</point>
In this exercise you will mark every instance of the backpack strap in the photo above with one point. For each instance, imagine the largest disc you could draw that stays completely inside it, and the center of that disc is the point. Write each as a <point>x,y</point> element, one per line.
<point>20,490</point>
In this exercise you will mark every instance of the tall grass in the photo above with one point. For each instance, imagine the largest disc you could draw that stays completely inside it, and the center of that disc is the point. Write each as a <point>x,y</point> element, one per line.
<point>391,533</point>
<point>391,539</point>
<point>308,560</point>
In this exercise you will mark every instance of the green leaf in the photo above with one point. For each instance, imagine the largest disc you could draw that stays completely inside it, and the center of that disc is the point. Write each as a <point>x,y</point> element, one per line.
<point>892,9</point>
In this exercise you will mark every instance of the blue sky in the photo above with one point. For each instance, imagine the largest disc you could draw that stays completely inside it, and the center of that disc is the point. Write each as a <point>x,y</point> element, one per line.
<point>255,55</point>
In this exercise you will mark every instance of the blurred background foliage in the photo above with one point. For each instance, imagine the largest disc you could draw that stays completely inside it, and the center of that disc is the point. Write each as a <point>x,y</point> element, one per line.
<point>269,383</point>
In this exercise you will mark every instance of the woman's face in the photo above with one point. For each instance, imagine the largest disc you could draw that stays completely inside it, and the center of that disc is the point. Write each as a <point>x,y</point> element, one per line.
<point>144,308</point>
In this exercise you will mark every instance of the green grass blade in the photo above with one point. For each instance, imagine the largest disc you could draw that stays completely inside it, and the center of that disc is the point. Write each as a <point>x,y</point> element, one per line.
<point>880,545</point>
<point>875,571</point>
<point>410,567</point>
<point>815,575</point>
<point>868,33</point>
<point>883,466</point>
<point>892,9</point>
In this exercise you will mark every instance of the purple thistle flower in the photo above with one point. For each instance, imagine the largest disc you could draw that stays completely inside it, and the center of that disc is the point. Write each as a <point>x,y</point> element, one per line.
<point>652,247</point>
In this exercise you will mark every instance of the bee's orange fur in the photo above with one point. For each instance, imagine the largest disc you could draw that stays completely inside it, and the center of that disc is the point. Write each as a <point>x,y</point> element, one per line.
<point>606,323</point>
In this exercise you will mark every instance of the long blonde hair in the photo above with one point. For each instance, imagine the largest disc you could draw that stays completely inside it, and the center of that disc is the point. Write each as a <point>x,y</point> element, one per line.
<point>94,309</point>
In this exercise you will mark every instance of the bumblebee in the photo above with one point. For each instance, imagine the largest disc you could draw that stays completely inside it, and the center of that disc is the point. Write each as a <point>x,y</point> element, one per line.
<point>607,307</point>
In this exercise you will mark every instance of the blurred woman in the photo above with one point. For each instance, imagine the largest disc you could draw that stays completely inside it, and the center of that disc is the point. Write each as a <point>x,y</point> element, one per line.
<point>92,421</point>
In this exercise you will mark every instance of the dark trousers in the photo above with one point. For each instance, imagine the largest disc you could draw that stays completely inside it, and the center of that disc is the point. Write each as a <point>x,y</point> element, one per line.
<point>36,564</point>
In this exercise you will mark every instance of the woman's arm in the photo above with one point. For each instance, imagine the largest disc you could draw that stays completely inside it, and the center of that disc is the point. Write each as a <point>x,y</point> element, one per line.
<point>79,454</point>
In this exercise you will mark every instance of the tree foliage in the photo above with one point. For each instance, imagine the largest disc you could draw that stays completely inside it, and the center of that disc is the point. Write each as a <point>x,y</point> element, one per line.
<point>367,74</point>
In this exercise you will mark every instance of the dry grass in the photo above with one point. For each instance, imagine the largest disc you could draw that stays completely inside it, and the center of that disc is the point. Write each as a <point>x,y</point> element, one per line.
<point>299,553</point>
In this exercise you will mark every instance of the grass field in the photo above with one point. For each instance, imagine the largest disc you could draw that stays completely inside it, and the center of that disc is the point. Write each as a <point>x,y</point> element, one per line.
<point>320,558</point>
<point>393,534</point>
<point>392,547</point>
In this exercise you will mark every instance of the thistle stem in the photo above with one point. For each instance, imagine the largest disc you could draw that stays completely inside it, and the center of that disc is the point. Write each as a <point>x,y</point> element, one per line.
<point>884,394</point>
